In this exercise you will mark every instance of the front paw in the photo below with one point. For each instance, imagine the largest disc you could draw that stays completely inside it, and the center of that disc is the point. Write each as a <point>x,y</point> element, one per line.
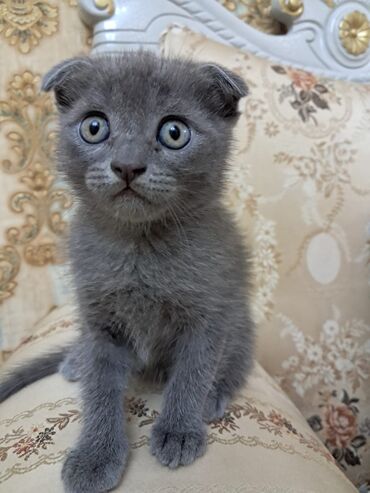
<point>89,471</point>
<point>174,447</point>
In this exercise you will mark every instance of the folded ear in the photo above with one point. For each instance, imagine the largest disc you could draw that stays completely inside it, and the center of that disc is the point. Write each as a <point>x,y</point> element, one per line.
<point>225,89</point>
<point>66,81</point>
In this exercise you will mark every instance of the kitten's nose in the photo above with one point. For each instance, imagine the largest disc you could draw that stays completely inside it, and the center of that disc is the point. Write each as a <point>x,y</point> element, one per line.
<point>127,172</point>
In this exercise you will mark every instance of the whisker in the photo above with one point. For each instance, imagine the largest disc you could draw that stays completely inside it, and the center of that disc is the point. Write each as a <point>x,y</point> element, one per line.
<point>177,222</point>
<point>95,168</point>
<point>102,177</point>
<point>156,180</point>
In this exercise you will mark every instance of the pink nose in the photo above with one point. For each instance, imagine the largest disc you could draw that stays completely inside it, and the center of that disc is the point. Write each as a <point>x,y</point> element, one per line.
<point>127,172</point>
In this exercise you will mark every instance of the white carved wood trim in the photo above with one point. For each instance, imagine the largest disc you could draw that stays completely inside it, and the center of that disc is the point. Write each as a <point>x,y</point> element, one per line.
<point>313,40</point>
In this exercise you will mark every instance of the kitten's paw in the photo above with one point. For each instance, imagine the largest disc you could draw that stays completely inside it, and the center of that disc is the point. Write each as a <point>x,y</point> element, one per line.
<point>85,471</point>
<point>215,407</point>
<point>174,448</point>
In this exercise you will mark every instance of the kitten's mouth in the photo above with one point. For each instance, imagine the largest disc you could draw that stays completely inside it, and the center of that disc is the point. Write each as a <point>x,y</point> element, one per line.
<point>127,193</point>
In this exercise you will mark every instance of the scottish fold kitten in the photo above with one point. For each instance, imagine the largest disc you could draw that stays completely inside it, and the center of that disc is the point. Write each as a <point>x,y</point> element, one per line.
<point>160,271</point>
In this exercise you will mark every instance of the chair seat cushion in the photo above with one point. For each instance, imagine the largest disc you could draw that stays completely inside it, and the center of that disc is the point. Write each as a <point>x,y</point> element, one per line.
<point>262,444</point>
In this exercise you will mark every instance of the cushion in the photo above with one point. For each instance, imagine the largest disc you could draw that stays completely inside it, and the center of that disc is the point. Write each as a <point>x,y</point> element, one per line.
<point>262,445</point>
<point>300,189</point>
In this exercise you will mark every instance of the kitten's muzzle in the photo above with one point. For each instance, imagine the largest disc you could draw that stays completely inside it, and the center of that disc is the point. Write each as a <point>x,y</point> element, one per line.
<point>127,172</point>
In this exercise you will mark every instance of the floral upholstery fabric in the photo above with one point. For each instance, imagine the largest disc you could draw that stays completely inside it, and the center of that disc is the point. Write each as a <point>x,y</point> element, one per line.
<point>34,35</point>
<point>300,189</point>
<point>262,445</point>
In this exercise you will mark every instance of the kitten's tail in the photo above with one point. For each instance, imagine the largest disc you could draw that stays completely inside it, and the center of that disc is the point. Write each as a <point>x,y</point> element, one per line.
<point>18,378</point>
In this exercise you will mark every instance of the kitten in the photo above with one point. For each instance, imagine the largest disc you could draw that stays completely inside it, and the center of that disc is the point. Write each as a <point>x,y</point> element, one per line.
<point>160,270</point>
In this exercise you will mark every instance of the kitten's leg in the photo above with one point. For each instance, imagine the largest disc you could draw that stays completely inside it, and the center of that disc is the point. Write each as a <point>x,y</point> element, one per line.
<point>71,366</point>
<point>179,434</point>
<point>97,462</point>
<point>232,374</point>
<point>216,404</point>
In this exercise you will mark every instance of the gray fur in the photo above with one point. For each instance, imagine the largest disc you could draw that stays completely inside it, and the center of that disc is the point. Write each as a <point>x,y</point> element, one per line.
<point>20,377</point>
<point>161,279</point>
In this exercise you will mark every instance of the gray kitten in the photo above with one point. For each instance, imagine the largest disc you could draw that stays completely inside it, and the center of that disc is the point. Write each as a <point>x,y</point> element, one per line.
<point>160,270</point>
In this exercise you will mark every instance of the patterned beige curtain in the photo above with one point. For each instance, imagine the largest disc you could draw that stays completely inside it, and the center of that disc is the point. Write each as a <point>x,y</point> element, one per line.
<point>34,35</point>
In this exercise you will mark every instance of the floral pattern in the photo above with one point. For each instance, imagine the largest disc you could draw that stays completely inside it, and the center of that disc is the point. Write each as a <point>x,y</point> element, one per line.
<point>23,23</point>
<point>305,93</point>
<point>27,439</point>
<point>26,443</point>
<point>245,203</point>
<point>136,407</point>
<point>34,205</point>
<point>30,117</point>
<point>266,257</point>
<point>338,359</point>
<point>10,262</point>
<point>338,424</point>
<point>272,421</point>
<point>327,167</point>
<point>338,355</point>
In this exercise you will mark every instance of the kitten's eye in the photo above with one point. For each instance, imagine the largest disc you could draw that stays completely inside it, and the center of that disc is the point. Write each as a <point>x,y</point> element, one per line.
<point>174,134</point>
<point>94,129</point>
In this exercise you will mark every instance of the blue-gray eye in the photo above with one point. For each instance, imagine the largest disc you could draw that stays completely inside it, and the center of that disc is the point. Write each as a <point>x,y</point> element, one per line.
<point>174,134</point>
<point>94,129</point>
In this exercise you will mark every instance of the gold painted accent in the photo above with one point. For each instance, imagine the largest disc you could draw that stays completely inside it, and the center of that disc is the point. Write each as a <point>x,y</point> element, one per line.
<point>292,7</point>
<point>105,5</point>
<point>264,7</point>
<point>330,3</point>
<point>354,33</point>
<point>230,5</point>
<point>245,8</point>
<point>23,23</point>
<point>256,13</point>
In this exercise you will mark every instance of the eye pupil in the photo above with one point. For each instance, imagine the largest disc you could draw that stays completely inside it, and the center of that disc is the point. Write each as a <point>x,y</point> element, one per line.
<point>174,132</point>
<point>94,127</point>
